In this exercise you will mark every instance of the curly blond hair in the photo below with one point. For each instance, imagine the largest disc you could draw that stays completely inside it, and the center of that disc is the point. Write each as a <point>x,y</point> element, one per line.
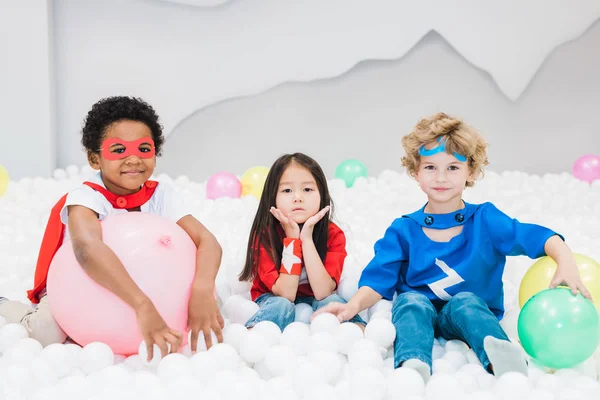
<point>459,137</point>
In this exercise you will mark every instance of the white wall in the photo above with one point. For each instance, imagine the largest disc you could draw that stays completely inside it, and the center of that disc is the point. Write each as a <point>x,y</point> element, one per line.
<point>183,58</point>
<point>27,134</point>
<point>364,113</point>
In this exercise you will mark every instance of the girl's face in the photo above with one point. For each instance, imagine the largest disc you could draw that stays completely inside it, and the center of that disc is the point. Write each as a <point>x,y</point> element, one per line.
<point>126,158</point>
<point>443,177</point>
<point>298,196</point>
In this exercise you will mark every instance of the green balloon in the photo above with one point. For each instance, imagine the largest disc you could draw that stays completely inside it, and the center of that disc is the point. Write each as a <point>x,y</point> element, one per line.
<point>559,329</point>
<point>349,170</point>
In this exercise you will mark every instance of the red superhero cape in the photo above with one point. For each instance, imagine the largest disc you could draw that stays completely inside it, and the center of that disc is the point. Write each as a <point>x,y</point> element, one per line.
<point>55,229</point>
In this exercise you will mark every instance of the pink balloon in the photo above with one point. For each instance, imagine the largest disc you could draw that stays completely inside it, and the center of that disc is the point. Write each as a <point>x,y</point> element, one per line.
<point>223,184</point>
<point>587,168</point>
<point>158,255</point>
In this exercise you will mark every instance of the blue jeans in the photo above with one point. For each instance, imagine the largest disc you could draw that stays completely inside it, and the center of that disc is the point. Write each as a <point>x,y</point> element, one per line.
<point>417,319</point>
<point>282,312</point>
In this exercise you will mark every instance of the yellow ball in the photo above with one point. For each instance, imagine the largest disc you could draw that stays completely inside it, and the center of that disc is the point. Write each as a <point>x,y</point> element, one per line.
<point>539,275</point>
<point>4,179</point>
<point>253,181</point>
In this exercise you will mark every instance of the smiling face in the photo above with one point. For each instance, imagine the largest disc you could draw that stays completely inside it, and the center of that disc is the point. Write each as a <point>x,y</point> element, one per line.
<point>125,175</point>
<point>443,178</point>
<point>298,195</point>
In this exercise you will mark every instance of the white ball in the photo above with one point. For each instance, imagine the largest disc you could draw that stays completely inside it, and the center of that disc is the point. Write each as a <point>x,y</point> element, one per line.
<point>135,363</point>
<point>381,331</point>
<point>281,360</point>
<point>10,334</point>
<point>540,394</point>
<point>382,305</point>
<point>2,321</point>
<point>325,322</point>
<point>346,335</point>
<point>481,395</point>
<point>443,386</point>
<point>43,372</point>
<point>30,344</point>
<point>456,358</point>
<point>226,357</point>
<point>96,356</point>
<point>571,394</point>
<point>59,174</point>
<point>173,366</point>
<point>456,345</point>
<point>368,383</point>
<point>330,362</point>
<point>72,171</point>
<point>364,358</point>
<point>472,369</point>
<point>321,392</point>
<point>254,347</point>
<point>296,336</point>
<point>347,288</point>
<point>269,330</point>
<point>441,365</point>
<point>437,352</point>
<point>322,341</point>
<point>233,334</point>
<point>472,357</point>
<point>406,381</point>
<point>60,358</point>
<point>243,311</point>
<point>231,303</point>
<point>468,381</point>
<point>17,355</point>
<point>381,315</point>
<point>203,366</point>
<point>512,385</point>
<point>303,313</point>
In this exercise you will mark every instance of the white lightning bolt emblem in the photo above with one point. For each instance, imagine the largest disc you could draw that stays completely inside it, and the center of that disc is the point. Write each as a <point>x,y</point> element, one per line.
<point>439,287</point>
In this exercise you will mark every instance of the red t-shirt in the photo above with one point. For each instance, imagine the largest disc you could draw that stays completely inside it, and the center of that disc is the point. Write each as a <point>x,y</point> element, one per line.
<point>334,263</point>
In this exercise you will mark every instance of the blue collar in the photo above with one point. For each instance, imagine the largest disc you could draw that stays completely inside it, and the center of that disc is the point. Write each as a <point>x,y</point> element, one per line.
<point>442,221</point>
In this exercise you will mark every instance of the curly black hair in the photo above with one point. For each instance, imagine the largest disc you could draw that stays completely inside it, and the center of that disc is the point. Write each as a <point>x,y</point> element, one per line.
<point>113,109</point>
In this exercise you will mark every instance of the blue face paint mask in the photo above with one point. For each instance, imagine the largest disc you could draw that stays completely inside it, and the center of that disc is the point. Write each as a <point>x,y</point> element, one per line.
<point>439,149</point>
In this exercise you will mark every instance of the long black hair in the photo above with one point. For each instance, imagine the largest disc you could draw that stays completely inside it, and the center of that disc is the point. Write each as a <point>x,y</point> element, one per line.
<point>266,231</point>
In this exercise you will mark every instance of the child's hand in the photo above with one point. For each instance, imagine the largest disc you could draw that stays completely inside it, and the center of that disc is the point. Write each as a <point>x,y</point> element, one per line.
<point>290,227</point>
<point>343,312</point>
<point>307,229</point>
<point>568,273</point>
<point>154,329</point>
<point>204,315</point>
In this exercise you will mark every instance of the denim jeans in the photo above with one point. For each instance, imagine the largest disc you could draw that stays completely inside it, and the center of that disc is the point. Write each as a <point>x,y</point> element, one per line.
<point>282,312</point>
<point>418,320</point>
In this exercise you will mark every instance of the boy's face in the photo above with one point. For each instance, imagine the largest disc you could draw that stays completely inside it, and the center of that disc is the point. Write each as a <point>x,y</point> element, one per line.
<point>124,170</point>
<point>298,194</point>
<point>443,177</point>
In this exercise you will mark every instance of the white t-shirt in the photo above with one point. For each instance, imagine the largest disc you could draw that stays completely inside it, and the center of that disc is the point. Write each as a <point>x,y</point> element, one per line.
<point>165,201</point>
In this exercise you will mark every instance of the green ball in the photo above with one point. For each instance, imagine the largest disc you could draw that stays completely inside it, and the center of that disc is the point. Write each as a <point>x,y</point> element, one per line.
<point>559,329</point>
<point>349,170</point>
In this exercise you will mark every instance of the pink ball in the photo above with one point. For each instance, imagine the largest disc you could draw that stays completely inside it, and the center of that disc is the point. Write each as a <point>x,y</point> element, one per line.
<point>158,255</point>
<point>223,184</point>
<point>587,168</point>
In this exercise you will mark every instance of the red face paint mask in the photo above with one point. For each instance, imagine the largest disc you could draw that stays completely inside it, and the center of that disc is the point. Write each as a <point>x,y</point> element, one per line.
<point>118,149</point>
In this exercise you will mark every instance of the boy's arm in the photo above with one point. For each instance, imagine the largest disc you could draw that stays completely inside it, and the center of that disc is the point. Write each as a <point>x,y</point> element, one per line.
<point>364,298</point>
<point>204,315</point>
<point>567,271</point>
<point>105,268</point>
